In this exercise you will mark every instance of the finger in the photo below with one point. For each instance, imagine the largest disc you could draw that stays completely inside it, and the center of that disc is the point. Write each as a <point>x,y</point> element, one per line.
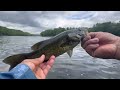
<point>37,61</point>
<point>50,61</point>
<point>90,49</point>
<point>91,41</point>
<point>88,37</point>
<point>43,65</point>
<point>85,39</point>
<point>92,34</point>
<point>41,59</point>
<point>49,65</point>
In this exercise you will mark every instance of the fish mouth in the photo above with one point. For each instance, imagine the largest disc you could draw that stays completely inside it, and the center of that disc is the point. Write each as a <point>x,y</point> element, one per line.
<point>77,38</point>
<point>74,36</point>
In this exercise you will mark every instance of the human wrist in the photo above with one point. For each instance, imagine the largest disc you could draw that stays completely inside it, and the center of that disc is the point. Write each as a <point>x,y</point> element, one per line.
<point>22,71</point>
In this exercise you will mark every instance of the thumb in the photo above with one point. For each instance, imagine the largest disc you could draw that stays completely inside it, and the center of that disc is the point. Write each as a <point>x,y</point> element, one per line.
<point>92,34</point>
<point>36,61</point>
<point>39,60</point>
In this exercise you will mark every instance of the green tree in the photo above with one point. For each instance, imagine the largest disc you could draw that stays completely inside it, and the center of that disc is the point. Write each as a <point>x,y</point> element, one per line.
<point>12,32</point>
<point>110,27</point>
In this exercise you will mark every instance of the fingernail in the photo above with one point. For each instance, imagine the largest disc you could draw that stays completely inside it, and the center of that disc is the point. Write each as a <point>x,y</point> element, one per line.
<point>97,45</point>
<point>87,38</point>
<point>42,55</point>
<point>96,39</point>
<point>53,56</point>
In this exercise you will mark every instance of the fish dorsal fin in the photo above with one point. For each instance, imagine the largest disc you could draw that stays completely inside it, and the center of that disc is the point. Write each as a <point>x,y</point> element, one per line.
<point>70,52</point>
<point>37,45</point>
<point>41,44</point>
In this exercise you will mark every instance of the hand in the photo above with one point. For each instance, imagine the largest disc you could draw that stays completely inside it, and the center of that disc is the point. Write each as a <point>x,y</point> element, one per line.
<point>102,45</point>
<point>39,68</point>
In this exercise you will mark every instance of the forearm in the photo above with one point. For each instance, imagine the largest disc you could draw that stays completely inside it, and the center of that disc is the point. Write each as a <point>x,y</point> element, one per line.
<point>21,71</point>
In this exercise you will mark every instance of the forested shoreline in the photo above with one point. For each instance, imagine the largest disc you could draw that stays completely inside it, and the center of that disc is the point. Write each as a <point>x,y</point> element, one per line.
<point>12,32</point>
<point>110,27</point>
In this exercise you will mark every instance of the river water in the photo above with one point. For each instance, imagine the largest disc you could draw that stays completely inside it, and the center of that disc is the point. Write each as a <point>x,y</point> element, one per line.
<point>79,66</point>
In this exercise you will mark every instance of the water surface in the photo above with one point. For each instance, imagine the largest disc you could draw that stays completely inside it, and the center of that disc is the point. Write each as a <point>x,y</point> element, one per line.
<point>79,66</point>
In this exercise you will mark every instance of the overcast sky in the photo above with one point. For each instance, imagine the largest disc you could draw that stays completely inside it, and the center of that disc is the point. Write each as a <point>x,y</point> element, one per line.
<point>37,21</point>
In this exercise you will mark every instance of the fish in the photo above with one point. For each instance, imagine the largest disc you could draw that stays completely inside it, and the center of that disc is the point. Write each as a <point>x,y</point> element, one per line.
<point>56,45</point>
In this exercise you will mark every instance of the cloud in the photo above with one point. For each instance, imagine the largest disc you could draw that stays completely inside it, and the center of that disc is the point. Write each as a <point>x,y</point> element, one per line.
<point>37,21</point>
<point>104,16</point>
<point>23,17</point>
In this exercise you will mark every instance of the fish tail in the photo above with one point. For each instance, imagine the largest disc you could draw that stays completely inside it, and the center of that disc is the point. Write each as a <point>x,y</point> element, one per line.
<point>14,60</point>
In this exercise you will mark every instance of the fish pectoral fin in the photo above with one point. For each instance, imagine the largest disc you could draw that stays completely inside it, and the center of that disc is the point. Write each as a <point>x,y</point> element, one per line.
<point>70,52</point>
<point>62,44</point>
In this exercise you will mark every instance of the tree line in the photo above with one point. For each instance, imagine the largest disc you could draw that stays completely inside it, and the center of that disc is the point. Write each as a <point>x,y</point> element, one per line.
<point>12,32</point>
<point>52,32</point>
<point>55,31</point>
<point>110,27</point>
